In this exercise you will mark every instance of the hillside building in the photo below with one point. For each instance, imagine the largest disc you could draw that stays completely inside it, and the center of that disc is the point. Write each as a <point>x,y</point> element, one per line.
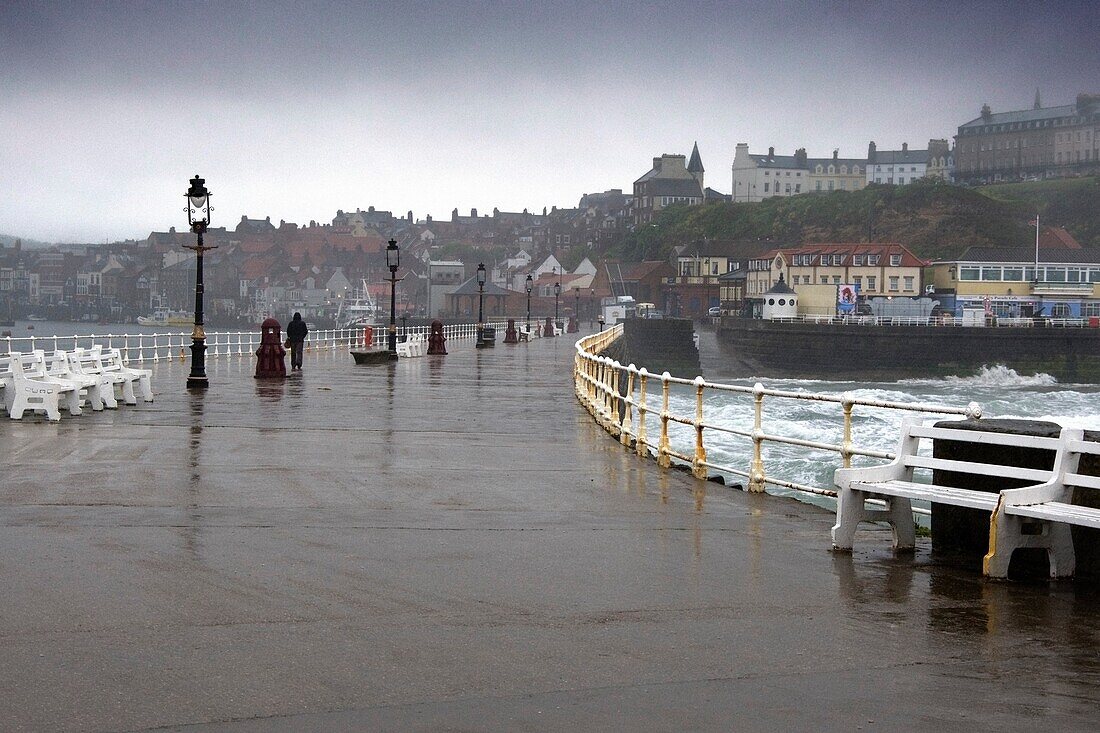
<point>673,180</point>
<point>1041,142</point>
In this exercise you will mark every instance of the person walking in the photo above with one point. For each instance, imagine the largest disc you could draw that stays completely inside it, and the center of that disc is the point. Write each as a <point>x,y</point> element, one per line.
<point>296,336</point>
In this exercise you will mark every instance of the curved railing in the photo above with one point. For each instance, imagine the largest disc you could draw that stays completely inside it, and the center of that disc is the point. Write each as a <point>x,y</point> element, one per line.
<point>152,347</point>
<point>619,398</point>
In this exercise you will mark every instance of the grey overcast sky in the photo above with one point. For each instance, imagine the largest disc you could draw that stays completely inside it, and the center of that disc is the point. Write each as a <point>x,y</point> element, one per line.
<point>295,109</point>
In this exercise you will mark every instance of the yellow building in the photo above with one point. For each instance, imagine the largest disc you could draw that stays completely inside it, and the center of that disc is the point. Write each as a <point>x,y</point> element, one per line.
<point>875,269</point>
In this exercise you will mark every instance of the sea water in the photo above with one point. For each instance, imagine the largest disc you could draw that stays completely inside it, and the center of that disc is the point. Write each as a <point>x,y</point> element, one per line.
<point>1001,392</point>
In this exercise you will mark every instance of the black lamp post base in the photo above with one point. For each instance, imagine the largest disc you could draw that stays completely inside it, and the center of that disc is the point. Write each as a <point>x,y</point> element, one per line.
<point>197,378</point>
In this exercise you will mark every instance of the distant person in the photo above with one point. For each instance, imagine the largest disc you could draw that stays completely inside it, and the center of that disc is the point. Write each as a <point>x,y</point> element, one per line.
<point>296,336</point>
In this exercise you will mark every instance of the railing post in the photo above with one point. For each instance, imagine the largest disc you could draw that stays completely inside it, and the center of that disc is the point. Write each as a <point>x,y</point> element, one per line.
<point>626,427</point>
<point>756,471</point>
<point>663,459</point>
<point>698,470</point>
<point>640,444</point>
<point>613,399</point>
<point>846,443</point>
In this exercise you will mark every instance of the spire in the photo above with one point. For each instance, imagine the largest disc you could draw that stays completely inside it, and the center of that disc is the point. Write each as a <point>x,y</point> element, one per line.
<point>1038,104</point>
<point>695,165</point>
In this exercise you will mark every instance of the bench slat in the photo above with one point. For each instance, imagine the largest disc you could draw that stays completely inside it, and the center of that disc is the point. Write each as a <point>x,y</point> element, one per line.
<point>1084,446</point>
<point>937,494</point>
<point>978,436</point>
<point>1085,482</point>
<point>1058,512</point>
<point>986,469</point>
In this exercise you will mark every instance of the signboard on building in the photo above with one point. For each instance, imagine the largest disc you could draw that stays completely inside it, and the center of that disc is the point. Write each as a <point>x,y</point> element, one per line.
<point>846,298</point>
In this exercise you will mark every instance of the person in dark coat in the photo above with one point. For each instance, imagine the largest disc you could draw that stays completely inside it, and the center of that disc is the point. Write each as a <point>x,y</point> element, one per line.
<point>296,335</point>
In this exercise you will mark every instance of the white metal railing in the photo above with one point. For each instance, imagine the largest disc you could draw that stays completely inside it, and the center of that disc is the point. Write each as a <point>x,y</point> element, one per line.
<point>946,321</point>
<point>619,398</point>
<point>152,347</point>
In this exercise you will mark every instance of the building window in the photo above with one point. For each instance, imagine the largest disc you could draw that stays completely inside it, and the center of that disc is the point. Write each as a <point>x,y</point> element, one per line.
<point>871,280</point>
<point>895,260</point>
<point>817,185</point>
<point>970,272</point>
<point>893,283</point>
<point>858,280</point>
<point>909,283</point>
<point>857,260</point>
<point>824,280</point>
<point>765,188</point>
<point>836,279</point>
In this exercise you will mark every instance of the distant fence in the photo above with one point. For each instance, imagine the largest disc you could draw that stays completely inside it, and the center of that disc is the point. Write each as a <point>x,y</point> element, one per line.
<point>622,397</point>
<point>944,321</point>
<point>152,347</point>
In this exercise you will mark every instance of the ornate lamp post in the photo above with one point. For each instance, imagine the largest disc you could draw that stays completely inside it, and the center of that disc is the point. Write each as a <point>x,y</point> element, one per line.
<point>557,293</point>
<point>393,261</point>
<point>577,307</point>
<point>530,285</point>
<point>198,216</point>
<point>480,305</point>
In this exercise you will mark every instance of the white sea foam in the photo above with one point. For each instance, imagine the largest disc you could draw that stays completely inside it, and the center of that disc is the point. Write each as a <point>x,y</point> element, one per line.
<point>997,375</point>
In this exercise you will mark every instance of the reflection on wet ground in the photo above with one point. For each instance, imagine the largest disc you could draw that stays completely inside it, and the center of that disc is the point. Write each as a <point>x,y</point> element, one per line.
<point>451,542</point>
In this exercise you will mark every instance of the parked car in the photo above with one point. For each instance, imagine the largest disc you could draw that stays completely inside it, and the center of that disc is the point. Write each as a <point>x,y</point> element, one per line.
<point>714,312</point>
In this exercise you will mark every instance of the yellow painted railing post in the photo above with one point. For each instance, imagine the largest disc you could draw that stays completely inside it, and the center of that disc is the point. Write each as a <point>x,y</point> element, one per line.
<point>846,444</point>
<point>698,470</point>
<point>626,427</point>
<point>640,446</point>
<point>756,471</point>
<point>613,400</point>
<point>663,459</point>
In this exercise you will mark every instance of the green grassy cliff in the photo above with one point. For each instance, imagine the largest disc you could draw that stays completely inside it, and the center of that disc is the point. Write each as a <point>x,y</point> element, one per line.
<point>934,220</point>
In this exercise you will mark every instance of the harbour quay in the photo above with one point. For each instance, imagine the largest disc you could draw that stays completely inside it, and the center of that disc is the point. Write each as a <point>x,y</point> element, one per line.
<point>452,543</point>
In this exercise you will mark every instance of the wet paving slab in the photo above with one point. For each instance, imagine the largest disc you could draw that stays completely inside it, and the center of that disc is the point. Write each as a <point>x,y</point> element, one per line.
<point>452,544</point>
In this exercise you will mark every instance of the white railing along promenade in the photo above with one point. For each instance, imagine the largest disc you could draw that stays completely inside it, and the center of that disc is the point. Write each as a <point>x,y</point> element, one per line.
<point>143,347</point>
<point>945,321</point>
<point>622,397</point>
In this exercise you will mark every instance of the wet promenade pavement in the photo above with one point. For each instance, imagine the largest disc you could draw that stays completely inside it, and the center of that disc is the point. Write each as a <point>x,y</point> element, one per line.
<point>452,544</point>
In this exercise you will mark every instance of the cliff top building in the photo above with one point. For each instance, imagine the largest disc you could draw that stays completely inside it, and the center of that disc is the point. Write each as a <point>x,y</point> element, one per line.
<point>1041,142</point>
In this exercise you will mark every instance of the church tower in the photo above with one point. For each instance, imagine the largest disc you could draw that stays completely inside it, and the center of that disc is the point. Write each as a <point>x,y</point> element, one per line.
<point>695,168</point>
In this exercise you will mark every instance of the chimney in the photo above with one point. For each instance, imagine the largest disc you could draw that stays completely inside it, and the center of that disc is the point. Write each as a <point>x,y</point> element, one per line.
<point>871,152</point>
<point>987,113</point>
<point>656,164</point>
<point>771,153</point>
<point>905,147</point>
<point>473,213</point>
<point>836,152</point>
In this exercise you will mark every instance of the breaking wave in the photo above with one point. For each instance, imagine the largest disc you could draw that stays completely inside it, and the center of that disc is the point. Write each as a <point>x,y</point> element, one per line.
<point>997,375</point>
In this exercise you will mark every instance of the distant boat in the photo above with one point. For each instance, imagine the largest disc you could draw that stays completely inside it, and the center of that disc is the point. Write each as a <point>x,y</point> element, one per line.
<point>166,318</point>
<point>36,317</point>
<point>359,309</point>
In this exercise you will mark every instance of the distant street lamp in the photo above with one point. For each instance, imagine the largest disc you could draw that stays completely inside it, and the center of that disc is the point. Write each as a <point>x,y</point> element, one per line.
<point>198,216</point>
<point>480,303</point>
<point>577,306</point>
<point>530,285</point>
<point>557,292</point>
<point>393,261</point>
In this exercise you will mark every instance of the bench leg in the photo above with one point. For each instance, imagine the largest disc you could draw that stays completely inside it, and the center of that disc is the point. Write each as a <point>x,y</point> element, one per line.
<point>128,392</point>
<point>72,402</point>
<point>146,388</point>
<point>1006,536</point>
<point>851,509</point>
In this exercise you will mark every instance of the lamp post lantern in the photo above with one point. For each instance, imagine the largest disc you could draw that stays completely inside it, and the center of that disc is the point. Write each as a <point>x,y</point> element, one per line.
<point>530,285</point>
<point>393,261</point>
<point>557,293</point>
<point>198,216</point>
<point>480,305</point>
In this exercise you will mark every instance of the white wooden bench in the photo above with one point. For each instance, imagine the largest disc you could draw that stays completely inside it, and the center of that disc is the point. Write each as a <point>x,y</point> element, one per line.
<point>28,387</point>
<point>893,483</point>
<point>98,388</point>
<point>113,363</point>
<point>107,364</point>
<point>414,345</point>
<point>1040,516</point>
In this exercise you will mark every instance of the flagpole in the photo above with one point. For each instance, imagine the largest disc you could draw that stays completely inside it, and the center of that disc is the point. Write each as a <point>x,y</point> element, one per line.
<point>1036,246</point>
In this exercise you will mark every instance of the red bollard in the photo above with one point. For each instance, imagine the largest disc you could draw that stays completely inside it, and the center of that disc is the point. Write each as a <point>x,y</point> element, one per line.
<point>271,351</point>
<point>510,335</point>
<point>436,339</point>
<point>368,337</point>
